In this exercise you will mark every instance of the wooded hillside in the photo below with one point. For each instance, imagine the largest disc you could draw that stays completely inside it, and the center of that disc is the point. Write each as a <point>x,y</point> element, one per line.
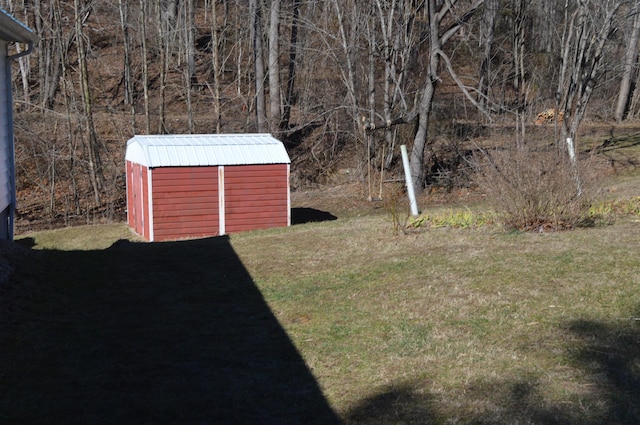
<point>341,82</point>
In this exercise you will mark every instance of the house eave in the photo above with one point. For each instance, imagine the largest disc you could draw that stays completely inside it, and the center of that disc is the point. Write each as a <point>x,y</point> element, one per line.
<point>14,31</point>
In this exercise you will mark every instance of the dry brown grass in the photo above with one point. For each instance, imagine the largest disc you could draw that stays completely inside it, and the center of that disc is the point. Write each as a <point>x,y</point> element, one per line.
<point>444,326</point>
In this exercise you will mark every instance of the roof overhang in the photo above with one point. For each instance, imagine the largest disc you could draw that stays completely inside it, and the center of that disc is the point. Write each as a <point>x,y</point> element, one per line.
<point>14,31</point>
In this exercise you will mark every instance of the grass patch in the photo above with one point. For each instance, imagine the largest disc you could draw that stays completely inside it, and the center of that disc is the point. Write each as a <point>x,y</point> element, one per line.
<point>462,219</point>
<point>443,326</point>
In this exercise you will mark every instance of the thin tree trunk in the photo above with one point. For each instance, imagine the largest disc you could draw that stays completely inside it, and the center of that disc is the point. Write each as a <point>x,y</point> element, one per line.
<point>64,65</point>
<point>275,111</point>
<point>371,142</point>
<point>126,71</point>
<point>215,56</point>
<point>189,71</point>
<point>347,47</point>
<point>436,12</point>
<point>145,64</point>
<point>293,52</point>
<point>518,64</point>
<point>258,63</point>
<point>486,43</point>
<point>93,152</point>
<point>631,55</point>
<point>163,48</point>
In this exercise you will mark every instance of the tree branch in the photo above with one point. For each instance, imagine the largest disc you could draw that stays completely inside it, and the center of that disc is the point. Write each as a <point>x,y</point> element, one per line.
<point>461,86</point>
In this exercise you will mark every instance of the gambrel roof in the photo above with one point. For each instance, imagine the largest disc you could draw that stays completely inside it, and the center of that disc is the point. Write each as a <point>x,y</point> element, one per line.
<point>206,150</point>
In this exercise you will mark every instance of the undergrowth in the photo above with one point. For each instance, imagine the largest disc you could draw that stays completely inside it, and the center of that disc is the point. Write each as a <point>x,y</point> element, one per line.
<point>604,212</point>
<point>463,219</point>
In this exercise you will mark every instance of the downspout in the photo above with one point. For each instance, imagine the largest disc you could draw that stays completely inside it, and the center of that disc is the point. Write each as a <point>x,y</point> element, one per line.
<point>12,153</point>
<point>23,53</point>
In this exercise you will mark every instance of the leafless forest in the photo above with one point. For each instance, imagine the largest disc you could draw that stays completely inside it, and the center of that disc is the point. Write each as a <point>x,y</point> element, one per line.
<point>342,82</point>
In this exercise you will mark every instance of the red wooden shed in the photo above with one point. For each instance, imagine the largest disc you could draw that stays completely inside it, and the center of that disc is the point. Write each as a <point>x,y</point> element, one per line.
<point>189,186</point>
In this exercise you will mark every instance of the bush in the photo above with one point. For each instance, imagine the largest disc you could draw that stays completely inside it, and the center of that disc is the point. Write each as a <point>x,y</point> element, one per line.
<point>534,189</point>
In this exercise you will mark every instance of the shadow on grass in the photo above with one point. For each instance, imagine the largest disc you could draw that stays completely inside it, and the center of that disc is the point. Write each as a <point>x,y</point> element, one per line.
<point>303,215</point>
<point>165,333</point>
<point>607,354</point>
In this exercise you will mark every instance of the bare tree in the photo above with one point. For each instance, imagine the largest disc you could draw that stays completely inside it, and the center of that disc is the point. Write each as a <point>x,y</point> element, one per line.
<point>275,111</point>
<point>293,57</point>
<point>487,29</point>
<point>587,31</point>
<point>127,77</point>
<point>445,20</point>
<point>215,59</point>
<point>519,35</point>
<point>631,56</point>
<point>163,54</point>
<point>92,147</point>
<point>188,15</point>
<point>258,64</point>
<point>348,43</point>
<point>145,64</point>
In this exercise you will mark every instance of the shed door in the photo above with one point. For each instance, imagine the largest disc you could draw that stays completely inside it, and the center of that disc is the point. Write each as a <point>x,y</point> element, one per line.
<point>185,202</point>
<point>256,196</point>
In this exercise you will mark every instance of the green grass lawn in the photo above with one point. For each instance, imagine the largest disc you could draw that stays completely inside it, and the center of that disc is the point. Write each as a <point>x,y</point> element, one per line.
<point>341,321</point>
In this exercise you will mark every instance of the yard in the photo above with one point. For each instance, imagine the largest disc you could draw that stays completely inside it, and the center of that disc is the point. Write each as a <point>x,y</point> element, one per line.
<point>341,321</point>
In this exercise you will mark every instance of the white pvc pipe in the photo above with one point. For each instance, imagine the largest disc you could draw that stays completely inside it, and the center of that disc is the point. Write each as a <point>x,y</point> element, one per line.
<point>407,176</point>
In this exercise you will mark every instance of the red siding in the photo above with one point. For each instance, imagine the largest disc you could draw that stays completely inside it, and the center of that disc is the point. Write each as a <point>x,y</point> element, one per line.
<point>130,194</point>
<point>256,197</point>
<point>137,198</point>
<point>145,217</point>
<point>185,202</point>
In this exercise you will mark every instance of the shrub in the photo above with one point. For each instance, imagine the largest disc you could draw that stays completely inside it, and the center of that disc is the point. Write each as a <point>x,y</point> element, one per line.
<point>534,189</point>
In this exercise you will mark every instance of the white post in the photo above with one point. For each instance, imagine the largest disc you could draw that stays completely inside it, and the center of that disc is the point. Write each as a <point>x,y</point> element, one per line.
<point>572,157</point>
<point>407,177</point>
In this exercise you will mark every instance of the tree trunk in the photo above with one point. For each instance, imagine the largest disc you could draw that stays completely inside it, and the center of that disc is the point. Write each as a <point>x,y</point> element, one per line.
<point>258,63</point>
<point>587,34</point>
<point>127,78</point>
<point>163,50</point>
<point>190,69</point>
<point>65,89</point>
<point>486,43</point>
<point>520,101</point>
<point>293,52</point>
<point>347,47</point>
<point>275,111</point>
<point>215,57</point>
<point>437,11</point>
<point>631,54</point>
<point>91,145</point>
<point>145,64</point>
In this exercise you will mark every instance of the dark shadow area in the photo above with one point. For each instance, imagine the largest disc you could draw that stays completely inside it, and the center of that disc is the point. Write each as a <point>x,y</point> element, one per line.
<point>165,333</point>
<point>26,242</point>
<point>608,354</point>
<point>309,215</point>
<point>397,404</point>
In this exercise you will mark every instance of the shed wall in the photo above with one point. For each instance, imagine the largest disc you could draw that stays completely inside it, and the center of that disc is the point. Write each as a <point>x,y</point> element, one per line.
<point>256,197</point>
<point>138,199</point>
<point>185,202</point>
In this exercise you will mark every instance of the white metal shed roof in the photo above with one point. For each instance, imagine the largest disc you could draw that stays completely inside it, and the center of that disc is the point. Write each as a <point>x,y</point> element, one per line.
<point>206,150</point>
